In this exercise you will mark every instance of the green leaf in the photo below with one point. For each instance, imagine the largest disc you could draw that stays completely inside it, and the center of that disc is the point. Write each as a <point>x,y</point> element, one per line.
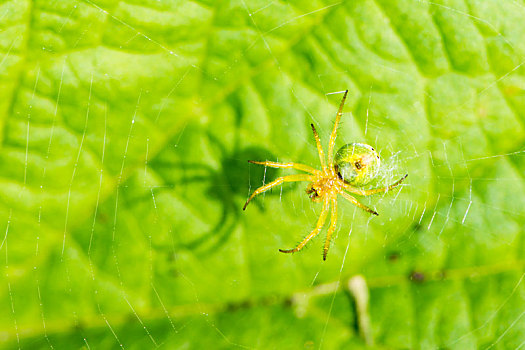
<point>126,130</point>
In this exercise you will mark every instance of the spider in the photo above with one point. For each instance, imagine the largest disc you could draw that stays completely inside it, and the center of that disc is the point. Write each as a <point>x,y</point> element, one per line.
<point>354,165</point>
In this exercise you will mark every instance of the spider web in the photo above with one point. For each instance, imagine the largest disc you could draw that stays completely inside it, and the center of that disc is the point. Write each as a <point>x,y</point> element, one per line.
<point>124,168</point>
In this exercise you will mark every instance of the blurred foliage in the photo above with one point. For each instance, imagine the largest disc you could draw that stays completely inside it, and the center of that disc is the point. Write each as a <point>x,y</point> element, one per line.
<point>126,130</point>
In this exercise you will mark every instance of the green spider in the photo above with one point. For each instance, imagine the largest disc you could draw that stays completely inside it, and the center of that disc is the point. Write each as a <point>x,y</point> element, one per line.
<point>354,166</point>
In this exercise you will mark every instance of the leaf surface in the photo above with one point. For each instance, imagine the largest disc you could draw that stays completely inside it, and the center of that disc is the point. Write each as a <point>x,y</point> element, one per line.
<point>126,130</point>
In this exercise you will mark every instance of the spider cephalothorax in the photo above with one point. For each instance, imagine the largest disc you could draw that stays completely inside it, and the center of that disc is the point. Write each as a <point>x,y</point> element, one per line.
<point>326,185</point>
<point>354,166</point>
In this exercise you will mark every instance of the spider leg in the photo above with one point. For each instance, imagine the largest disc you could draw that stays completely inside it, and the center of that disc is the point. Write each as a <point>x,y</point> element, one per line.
<point>354,190</point>
<point>278,181</point>
<point>289,165</point>
<point>331,144</point>
<point>319,147</point>
<point>331,229</point>
<point>357,203</point>
<point>315,231</point>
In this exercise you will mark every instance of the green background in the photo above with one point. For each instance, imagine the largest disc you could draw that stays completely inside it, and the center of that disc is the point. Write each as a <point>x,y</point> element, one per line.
<point>126,127</point>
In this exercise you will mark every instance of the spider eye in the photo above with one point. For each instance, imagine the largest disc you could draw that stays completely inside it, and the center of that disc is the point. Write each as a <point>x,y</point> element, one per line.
<point>357,164</point>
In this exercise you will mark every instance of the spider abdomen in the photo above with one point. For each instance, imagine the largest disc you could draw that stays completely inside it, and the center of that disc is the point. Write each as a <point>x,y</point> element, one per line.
<point>357,164</point>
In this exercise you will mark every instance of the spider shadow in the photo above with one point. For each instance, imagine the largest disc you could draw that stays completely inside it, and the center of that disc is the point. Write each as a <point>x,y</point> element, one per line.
<point>230,184</point>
